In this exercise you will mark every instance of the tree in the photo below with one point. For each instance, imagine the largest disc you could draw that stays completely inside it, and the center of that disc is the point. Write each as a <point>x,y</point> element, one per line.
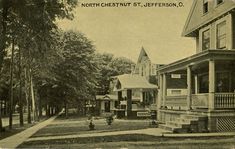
<point>121,65</point>
<point>110,66</point>
<point>33,19</point>
<point>78,78</point>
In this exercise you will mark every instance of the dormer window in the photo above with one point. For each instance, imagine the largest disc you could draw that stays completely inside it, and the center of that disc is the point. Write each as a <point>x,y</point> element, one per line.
<point>219,2</point>
<point>205,6</point>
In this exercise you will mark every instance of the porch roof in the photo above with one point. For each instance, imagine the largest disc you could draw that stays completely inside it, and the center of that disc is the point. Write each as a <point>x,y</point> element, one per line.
<point>198,58</point>
<point>106,97</point>
<point>111,97</point>
<point>129,81</point>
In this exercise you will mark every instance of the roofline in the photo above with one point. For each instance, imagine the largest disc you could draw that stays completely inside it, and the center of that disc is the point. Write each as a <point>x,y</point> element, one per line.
<point>189,16</point>
<point>197,56</point>
<point>126,88</point>
<point>142,49</point>
<point>190,32</point>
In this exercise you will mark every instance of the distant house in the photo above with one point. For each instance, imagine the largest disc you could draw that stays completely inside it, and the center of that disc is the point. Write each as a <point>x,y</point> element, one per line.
<point>135,95</point>
<point>142,83</point>
<point>209,103</point>
<point>149,61</point>
<point>106,103</point>
<point>147,64</point>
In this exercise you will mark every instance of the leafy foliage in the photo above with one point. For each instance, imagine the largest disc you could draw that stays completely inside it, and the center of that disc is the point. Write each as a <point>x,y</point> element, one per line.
<point>78,65</point>
<point>110,66</point>
<point>32,25</point>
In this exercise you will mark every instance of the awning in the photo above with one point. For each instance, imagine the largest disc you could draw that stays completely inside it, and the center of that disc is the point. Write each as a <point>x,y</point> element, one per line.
<point>129,81</point>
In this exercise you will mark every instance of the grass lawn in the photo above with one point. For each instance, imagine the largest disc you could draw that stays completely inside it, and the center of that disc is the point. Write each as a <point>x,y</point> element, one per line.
<point>74,125</point>
<point>135,141</point>
<point>80,126</point>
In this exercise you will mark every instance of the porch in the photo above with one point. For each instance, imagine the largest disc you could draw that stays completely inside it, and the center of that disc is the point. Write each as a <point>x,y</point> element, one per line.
<point>210,85</point>
<point>136,96</point>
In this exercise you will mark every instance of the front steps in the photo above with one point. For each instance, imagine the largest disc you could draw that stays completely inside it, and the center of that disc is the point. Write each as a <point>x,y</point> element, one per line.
<point>186,124</point>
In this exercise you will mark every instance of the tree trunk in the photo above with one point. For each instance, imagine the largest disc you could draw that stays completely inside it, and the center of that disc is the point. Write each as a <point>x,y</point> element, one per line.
<point>32,94</point>
<point>47,110</point>
<point>3,42</point>
<point>66,108</point>
<point>21,118</point>
<point>11,83</point>
<point>39,108</point>
<point>85,108</point>
<point>37,105</point>
<point>1,129</point>
<point>5,109</point>
<point>27,95</point>
<point>1,106</point>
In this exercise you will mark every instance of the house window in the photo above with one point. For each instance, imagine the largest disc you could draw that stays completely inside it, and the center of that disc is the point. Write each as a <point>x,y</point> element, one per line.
<point>221,35</point>
<point>205,6</point>
<point>206,40</point>
<point>219,2</point>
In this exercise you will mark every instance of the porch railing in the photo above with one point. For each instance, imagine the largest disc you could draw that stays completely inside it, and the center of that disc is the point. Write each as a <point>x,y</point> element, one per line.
<point>200,100</point>
<point>176,101</point>
<point>221,101</point>
<point>224,100</point>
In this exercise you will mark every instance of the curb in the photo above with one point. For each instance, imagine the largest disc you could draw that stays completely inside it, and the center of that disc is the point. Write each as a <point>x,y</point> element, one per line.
<point>195,135</point>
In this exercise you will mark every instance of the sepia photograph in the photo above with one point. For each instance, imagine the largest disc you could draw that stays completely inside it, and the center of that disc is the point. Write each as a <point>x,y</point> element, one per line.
<point>121,74</point>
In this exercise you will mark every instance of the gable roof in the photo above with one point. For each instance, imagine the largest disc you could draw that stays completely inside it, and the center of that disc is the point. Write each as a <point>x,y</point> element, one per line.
<point>196,19</point>
<point>107,97</point>
<point>111,97</point>
<point>154,56</point>
<point>129,81</point>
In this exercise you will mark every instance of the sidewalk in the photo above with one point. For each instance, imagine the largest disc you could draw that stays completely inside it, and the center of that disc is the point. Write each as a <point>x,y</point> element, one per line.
<point>149,131</point>
<point>17,139</point>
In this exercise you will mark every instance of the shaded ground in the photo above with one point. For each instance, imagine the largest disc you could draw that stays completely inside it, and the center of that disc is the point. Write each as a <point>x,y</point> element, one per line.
<point>62,127</point>
<point>16,128</point>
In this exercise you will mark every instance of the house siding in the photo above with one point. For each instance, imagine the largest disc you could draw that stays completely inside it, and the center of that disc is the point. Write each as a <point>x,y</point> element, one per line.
<point>198,19</point>
<point>204,70</point>
<point>213,32</point>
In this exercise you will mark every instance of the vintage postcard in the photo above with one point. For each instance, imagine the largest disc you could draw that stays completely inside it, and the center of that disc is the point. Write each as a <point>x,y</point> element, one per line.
<point>121,74</point>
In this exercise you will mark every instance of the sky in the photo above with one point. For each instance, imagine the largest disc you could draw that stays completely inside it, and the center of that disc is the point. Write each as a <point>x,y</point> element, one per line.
<point>123,31</point>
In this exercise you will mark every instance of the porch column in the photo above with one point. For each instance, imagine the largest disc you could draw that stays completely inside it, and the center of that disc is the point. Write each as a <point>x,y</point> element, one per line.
<point>159,99</point>
<point>160,87</point>
<point>189,87</point>
<point>196,83</point>
<point>141,95</point>
<point>129,103</point>
<point>164,90</point>
<point>211,85</point>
